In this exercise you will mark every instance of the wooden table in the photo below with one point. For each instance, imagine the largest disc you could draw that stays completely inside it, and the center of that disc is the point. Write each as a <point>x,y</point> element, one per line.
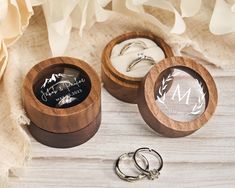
<point>203,159</point>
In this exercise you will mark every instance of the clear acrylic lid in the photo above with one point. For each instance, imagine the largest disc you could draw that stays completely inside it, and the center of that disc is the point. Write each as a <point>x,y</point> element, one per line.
<point>177,97</point>
<point>181,96</point>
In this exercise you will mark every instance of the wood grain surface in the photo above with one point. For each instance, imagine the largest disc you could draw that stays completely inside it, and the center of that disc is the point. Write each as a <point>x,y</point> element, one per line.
<point>204,159</point>
<point>62,127</point>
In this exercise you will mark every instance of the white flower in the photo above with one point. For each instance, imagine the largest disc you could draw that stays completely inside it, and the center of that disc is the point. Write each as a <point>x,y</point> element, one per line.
<point>190,7</point>
<point>129,6</point>
<point>62,15</point>
<point>3,57</point>
<point>14,18</point>
<point>223,17</point>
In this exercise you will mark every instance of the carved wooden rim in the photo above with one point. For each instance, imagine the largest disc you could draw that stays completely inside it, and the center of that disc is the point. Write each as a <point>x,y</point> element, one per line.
<point>91,104</point>
<point>151,112</point>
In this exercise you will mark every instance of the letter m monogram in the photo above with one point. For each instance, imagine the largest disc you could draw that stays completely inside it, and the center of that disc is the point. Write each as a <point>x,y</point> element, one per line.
<point>177,91</point>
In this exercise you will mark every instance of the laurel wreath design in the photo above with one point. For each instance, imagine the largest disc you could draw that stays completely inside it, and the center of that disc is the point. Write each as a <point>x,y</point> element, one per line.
<point>162,89</point>
<point>197,107</point>
<point>162,93</point>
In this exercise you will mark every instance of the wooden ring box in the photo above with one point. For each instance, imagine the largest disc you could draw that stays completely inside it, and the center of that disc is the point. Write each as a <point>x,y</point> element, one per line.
<point>143,90</point>
<point>123,87</point>
<point>62,98</point>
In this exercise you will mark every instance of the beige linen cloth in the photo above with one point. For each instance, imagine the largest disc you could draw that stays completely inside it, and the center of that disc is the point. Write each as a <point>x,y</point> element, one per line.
<point>33,47</point>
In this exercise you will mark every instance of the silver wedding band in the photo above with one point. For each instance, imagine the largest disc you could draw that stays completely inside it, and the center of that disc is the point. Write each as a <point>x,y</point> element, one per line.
<point>139,44</point>
<point>150,173</point>
<point>130,178</point>
<point>141,57</point>
<point>145,172</point>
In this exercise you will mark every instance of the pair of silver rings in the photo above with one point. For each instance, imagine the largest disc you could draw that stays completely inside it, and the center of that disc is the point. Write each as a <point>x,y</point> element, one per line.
<point>140,57</point>
<point>144,172</point>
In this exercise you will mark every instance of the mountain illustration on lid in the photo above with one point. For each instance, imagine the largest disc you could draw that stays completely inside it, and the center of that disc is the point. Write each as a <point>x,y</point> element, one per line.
<point>54,78</point>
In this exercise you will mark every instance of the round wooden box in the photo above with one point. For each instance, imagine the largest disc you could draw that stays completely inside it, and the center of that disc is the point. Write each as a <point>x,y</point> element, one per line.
<point>186,106</point>
<point>121,86</point>
<point>175,98</point>
<point>62,98</point>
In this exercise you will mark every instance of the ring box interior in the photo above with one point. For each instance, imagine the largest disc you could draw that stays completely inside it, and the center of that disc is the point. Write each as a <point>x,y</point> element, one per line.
<point>123,87</point>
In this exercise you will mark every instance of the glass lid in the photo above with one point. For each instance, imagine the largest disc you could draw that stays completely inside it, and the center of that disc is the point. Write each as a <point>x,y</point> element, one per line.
<point>181,94</point>
<point>62,86</point>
